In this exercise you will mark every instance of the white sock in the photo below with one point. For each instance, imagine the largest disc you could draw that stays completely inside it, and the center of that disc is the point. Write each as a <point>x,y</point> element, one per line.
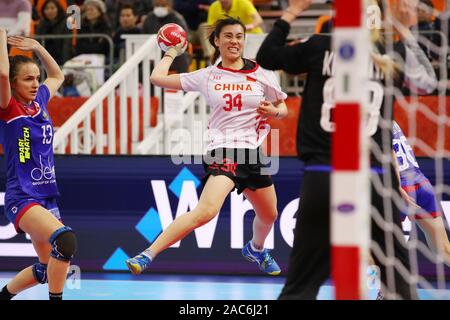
<point>254,249</point>
<point>148,253</point>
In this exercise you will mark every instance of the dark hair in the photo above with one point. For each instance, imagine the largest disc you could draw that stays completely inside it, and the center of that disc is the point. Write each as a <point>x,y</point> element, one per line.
<point>428,3</point>
<point>61,13</point>
<point>127,6</point>
<point>218,26</point>
<point>169,2</point>
<point>14,65</point>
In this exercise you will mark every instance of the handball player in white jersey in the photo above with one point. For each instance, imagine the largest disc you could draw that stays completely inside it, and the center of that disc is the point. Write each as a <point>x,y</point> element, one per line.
<point>242,96</point>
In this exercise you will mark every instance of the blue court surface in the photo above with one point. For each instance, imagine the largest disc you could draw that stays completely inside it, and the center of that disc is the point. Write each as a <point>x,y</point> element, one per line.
<point>181,287</point>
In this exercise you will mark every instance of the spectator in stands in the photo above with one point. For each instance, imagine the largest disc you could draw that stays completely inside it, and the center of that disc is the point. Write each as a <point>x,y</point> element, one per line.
<point>439,23</point>
<point>94,21</point>
<point>440,26</point>
<point>75,2</point>
<point>34,12</point>
<point>141,8</point>
<point>127,25</point>
<point>324,22</point>
<point>425,26</point>
<point>53,22</point>
<point>15,17</point>
<point>242,9</point>
<point>195,12</point>
<point>38,4</point>
<point>163,13</point>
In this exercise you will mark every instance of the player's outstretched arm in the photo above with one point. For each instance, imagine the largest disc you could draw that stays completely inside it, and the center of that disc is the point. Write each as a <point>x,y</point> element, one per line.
<point>5,89</point>
<point>275,54</point>
<point>160,75</point>
<point>294,9</point>
<point>55,77</point>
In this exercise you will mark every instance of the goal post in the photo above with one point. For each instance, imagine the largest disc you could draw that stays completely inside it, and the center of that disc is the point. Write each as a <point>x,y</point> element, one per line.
<point>350,180</point>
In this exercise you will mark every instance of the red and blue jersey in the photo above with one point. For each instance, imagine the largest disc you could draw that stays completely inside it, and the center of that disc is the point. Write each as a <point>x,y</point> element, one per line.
<point>27,138</point>
<point>410,173</point>
<point>412,179</point>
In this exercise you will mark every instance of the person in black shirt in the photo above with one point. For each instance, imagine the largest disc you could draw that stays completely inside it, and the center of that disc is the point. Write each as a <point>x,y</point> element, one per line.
<point>53,22</point>
<point>94,20</point>
<point>127,25</point>
<point>309,264</point>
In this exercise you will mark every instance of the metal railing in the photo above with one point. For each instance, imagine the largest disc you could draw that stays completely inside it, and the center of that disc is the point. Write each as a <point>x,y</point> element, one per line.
<point>126,80</point>
<point>108,66</point>
<point>79,135</point>
<point>142,52</point>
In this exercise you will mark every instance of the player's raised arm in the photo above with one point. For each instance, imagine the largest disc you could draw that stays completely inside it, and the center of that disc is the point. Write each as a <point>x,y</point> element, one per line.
<point>275,54</point>
<point>160,75</point>
<point>55,77</point>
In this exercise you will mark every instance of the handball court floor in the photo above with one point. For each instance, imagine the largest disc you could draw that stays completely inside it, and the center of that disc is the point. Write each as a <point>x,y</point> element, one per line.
<point>118,286</point>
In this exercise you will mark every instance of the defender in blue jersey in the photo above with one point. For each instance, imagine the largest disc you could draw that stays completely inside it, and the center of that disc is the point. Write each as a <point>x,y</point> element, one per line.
<point>417,190</point>
<point>31,190</point>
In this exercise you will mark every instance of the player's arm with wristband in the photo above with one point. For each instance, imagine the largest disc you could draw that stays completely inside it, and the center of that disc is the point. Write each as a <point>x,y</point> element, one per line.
<point>160,75</point>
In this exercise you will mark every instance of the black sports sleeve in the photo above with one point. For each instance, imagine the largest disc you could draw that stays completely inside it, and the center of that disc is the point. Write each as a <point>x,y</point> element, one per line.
<point>275,54</point>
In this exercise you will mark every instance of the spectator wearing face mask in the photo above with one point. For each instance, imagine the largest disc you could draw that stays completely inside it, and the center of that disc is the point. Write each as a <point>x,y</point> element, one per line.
<point>162,14</point>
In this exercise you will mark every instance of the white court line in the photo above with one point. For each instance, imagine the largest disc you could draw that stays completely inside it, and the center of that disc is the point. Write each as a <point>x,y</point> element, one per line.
<point>17,250</point>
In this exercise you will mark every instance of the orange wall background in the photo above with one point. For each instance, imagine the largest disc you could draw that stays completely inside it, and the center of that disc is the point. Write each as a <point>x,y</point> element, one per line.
<point>423,123</point>
<point>425,128</point>
<point>439,4</point>
<point>61,109</point>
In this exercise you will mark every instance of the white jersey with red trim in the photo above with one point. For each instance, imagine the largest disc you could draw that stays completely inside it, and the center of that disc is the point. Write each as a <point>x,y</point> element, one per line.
<point>234,96</point>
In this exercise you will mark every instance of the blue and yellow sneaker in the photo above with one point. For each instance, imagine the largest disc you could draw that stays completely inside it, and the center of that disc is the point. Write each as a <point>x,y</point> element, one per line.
<point>264,260</point>
<point>138,263</point>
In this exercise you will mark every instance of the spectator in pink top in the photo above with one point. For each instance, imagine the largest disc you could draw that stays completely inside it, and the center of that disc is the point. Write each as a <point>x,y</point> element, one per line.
<point>15,17</point>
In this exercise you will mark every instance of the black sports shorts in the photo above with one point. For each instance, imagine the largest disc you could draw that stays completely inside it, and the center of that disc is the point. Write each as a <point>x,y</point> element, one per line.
<point>243,166</point>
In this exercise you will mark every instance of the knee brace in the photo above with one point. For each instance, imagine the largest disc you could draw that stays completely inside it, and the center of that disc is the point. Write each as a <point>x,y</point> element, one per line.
<point>64,244</point>
<point>40,272</point>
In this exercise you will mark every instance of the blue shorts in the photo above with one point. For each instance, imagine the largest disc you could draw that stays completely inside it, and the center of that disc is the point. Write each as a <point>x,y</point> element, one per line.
<point>15,209</point>
<point>423,195</point>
